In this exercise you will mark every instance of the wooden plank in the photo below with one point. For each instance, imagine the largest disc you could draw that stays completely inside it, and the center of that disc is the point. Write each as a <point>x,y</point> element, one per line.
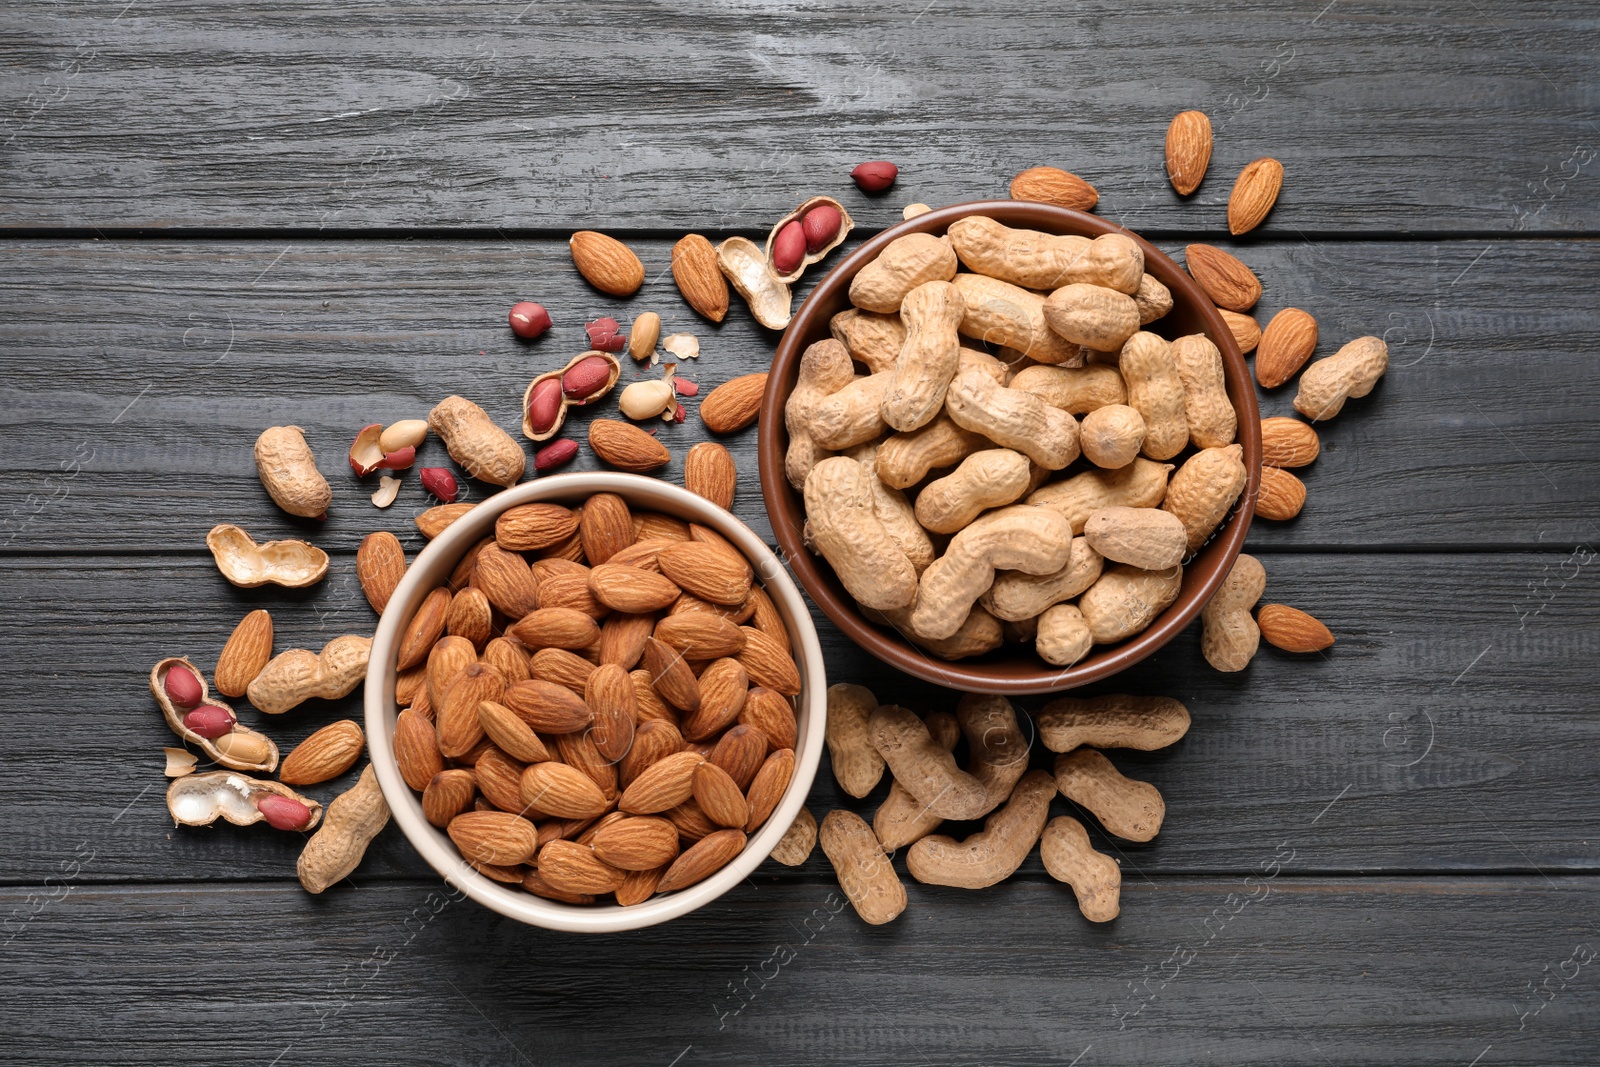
<point>1435,747</point>
<point>726,114</point>
<point>1276,970</point>
<point>146,370</point>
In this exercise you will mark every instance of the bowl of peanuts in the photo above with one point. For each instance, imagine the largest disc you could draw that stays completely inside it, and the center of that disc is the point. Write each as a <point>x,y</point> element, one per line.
<point>595,702</point>
<point>1009,447</point>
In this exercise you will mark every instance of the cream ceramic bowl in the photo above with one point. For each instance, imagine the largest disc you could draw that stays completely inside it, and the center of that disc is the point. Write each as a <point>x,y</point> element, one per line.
<point>430,569</point>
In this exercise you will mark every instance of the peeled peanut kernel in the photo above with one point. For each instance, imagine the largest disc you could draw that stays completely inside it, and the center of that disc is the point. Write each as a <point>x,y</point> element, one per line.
<point>409,433</point>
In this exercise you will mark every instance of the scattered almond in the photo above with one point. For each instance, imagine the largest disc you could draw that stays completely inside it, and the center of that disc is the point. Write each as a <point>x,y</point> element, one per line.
<point>1287,442</point>
<point>326,754</point>
<point>247,652</point>
<point>606,263</point>
<point>1292,629</point>
<point>1282,495</point>
<point>1052,185</point>
<point>1246,332</point>
<point>700,280</point>
<point>1254,193</point>
<point>1286,344</point>
<point>1188,150</point>
<point>1227,281</point>
<point>626,447</point>
<point>734,404</point>
<point>710,472</point>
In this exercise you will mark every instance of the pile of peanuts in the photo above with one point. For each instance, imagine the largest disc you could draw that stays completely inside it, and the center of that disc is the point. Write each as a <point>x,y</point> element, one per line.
<point>993,548</point>
<point>631,725</point>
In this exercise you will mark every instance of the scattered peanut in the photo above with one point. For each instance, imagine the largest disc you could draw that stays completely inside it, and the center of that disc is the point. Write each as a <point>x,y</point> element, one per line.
<point>354,819</point>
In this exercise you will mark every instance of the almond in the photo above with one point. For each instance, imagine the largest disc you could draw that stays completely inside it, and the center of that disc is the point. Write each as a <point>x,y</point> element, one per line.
<point>574,868</point>
<point>508,657</point>
<point>1246,333</point>
<point>448,794</point>
<point>709,472</point>
<point>326,754</point>
<point>561,791</point>
<point>1287,442</point>
<point>670,675</point>
<point>546,706</point>
<point>1292,629</point>
<point>533,883</point>
<point>1282,495</point>
<point>425,627</point>
<point>723,688</point>
<point>457,719</point>
<point>555,628</point>
<point>768,787</point>
<point>653,741</point>
<point>764,616</point>
<point>606,263</point>
<point>636,843</point>
<point>654,526</point>
<point>506,580</point>
<point>772,714</point>
<point>719,798</point>
<point>769,663</point>
<point>407,683</point>
<point>1286,344</point>
<point>708,571</point>
<point>1254,193</point>
<point>632,590</point>
<point>416,749</point>
<point>1188,150</point>
<point>651,707</point>
<point>1227,281</point>
<point>740,751</point>
<point>449,657</point>
<point>433,522</point>
<point>248,649</point>
<point>691,822</point>
<point>380,564</point>
<point>700,635</point>
<point>1051,185</point>
<point>606,527</point>
<point>622,638</point>
<point>566,669</point>
<point>495,837</point>
<point>578,751</point>
<point>705,858</point>
<point>512,875</point>
<point>626,447</point>
<point>664,784</point>
<point>642,553</point>
<point>499,779</point>
<point>700,280</point>
<point>470,617</point>
<point>639,886</point>
<point>513,736</point>
<point>734,404</point>
<point>529,527</point>
<point>570,590</point>
<point>609,694</point>
<point>461,574</point>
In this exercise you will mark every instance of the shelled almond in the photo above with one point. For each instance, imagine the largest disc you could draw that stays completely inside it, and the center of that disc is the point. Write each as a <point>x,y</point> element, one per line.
<point>636,719</point>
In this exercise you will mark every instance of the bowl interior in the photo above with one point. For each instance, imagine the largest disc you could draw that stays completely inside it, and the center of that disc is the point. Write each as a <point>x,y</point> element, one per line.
<point>1012,668</point>
<point>433,566</point>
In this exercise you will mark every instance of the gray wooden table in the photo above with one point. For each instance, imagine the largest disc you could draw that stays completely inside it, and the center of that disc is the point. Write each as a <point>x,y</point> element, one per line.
<point>223,216</point>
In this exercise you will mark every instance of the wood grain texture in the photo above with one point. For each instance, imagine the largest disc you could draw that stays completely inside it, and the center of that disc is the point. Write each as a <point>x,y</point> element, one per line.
<point>641,115</point>
<point>1456,748</point>
<point>1277,970</point>
<point>1481,435</point>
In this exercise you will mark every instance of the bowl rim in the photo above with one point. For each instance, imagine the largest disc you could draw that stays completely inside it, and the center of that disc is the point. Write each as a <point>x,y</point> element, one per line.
<point>784,508</point>
<point>442,553</point>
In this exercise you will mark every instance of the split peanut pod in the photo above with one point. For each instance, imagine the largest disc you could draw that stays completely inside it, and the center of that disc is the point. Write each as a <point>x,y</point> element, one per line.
<point>294,564</point>
<point>202,799</point>
<point>210,725</point>
<point>585,379</point>
<point>806,235</point>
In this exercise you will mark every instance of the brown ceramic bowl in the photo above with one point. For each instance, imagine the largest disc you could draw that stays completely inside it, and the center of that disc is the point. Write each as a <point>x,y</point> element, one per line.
<point>1010,669</point>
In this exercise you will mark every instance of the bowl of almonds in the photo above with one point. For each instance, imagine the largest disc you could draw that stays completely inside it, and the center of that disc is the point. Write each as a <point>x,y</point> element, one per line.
<point>1009,447</point>
<point>595,702</point>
